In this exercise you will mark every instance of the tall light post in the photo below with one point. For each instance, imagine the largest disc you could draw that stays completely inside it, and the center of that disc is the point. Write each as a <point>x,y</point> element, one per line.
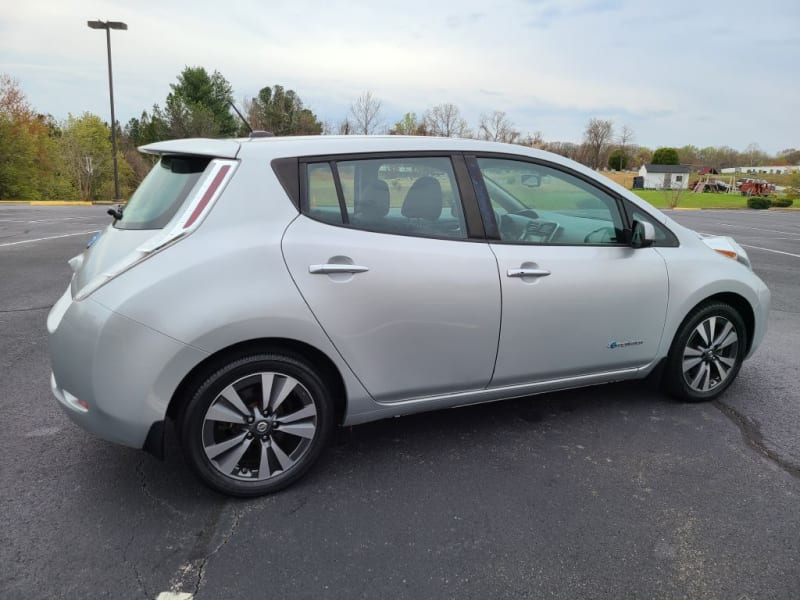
<point>108,26</point>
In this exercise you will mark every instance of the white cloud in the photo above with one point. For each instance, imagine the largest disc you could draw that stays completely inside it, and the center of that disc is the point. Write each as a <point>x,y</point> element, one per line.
<point>678,72</point>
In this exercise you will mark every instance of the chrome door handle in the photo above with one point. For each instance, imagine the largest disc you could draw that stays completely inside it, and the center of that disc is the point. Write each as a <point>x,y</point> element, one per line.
<point>329,268</point>
<point>528,273</point>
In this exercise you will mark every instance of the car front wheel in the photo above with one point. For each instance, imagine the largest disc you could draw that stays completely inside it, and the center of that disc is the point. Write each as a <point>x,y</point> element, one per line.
<point>257,424</point>
<point>707,353</point>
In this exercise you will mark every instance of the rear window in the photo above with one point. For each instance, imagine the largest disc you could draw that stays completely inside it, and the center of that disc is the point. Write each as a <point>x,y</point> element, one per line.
<point>162,192</point>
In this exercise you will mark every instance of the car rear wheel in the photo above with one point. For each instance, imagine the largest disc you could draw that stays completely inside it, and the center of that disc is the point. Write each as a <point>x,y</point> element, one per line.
<point>707,353</point>
<point>257,424</point>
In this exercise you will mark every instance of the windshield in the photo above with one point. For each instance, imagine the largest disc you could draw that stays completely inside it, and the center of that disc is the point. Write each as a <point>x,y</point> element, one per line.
<point>162,192</point>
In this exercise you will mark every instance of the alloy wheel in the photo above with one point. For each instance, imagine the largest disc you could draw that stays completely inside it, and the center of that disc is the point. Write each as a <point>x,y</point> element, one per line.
<point>710,354</point>
<point>259,426</point>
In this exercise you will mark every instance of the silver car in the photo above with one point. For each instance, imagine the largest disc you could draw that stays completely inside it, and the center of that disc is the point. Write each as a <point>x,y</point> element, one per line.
<point>260,292</point>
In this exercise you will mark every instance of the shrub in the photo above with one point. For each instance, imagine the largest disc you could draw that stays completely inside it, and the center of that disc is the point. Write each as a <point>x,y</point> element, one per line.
<point>782,203</point>
<point>758,203</point>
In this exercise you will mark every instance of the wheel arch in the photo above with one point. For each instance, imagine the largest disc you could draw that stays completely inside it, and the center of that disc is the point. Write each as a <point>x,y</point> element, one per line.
<point>318,359</point>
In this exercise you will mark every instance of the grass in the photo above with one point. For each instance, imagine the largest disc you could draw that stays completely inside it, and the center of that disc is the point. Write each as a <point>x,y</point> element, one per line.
<point>689,199</point>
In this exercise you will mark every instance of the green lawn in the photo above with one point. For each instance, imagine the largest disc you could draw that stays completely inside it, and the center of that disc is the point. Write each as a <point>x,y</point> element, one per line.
<point>689,199</point>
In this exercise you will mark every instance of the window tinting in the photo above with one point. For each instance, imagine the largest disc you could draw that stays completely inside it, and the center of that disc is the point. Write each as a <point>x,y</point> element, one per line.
<point>411,196</point>
<point>538,204</point>
<point>162,192</point>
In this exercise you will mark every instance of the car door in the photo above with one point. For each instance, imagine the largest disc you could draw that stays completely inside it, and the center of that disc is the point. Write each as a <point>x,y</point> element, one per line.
<point>382,257</point>
<point>577,299</point>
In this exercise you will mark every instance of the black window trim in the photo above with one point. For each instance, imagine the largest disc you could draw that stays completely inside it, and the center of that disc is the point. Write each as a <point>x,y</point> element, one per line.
<point>624,206</point>
<point>469,204</point>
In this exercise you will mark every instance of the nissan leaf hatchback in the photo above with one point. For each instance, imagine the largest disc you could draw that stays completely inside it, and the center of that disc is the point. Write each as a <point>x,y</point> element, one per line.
<point>260,292</point>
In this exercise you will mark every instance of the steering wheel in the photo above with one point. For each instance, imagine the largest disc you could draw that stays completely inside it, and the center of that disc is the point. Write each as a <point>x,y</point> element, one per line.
<point>606,237</point>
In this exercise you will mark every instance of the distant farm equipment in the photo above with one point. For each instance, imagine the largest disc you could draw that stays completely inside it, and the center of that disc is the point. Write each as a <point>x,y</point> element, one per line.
<point>711,185</point>
<point>755,187</point>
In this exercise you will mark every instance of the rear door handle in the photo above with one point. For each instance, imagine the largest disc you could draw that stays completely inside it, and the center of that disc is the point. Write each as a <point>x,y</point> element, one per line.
<point>329,268</point>
<point>527,273</point>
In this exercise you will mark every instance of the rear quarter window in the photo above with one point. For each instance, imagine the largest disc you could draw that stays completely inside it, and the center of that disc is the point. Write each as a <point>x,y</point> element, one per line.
<point>162,192</point>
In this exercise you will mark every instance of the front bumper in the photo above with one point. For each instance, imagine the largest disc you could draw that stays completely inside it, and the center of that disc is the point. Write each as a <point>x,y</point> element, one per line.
<point>111,375</point>
<point>761,314</point>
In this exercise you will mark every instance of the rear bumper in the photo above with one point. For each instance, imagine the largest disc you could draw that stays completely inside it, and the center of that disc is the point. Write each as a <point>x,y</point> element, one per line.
<point>111,375</point>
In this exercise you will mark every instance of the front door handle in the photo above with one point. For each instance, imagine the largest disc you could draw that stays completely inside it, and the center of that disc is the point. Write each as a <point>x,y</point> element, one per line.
<point>330,268</point>
<point>527,273</point>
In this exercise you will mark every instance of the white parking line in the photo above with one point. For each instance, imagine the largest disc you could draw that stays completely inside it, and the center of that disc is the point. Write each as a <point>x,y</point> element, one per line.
<point>52,237</point>
<point>758,229</point>
<point>770,250</point>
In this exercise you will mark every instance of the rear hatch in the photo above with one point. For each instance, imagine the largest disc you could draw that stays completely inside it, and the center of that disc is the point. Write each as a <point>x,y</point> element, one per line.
<point>169,204</point>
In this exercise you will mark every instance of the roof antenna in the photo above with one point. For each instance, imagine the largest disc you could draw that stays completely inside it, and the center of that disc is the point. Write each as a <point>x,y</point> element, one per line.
<point>236,110</point>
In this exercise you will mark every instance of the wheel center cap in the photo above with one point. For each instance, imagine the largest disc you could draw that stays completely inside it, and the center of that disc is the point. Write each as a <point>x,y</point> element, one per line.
<point>262,427</point>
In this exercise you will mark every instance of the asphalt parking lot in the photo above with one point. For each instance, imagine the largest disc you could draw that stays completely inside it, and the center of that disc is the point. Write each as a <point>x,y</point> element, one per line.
<point>610,492</point>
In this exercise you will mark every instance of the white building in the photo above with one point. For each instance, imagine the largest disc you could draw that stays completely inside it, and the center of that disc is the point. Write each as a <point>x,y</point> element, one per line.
<point>755,170</point>
<point>659,177</point>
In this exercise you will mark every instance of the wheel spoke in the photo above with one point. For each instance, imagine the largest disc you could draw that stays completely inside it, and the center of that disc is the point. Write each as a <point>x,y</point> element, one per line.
<point>216,449</point>
<point>267,380</point>
<point>303,430</point>
<point>727,361</point>
<point>717,340</point>
<point>701,331</point>
<point>706,378</point>
<point>712,326</point>
<point>281,388</point>
<point>729,339</point>
<point>692,352</point>
<point>721,369</point>
<point>284,461</point>
<point>303,413</point>
<point>232,397</point>
<point>220,412</point>
<point>690,363</point>
<point>231,458</point>
<point>699,376</point>
<point>263,464</point>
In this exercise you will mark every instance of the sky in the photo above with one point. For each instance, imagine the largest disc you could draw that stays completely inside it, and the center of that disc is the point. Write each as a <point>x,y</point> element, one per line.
<point>707,73</point>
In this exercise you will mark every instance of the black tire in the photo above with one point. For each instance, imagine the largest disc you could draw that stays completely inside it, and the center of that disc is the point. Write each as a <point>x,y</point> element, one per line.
<point>271,453</point>
<point>697,369</point>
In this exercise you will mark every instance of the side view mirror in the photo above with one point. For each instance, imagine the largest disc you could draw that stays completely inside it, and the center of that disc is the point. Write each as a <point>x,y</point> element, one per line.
<point>531,180</point>
<point>644,234</point>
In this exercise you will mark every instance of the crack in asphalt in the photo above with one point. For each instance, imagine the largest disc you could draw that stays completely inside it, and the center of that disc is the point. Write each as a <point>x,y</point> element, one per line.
<point>136,573</point>
<point>755,439</point>
<point>201,571</point>
<point>150,495</point>
<point>19,310</point>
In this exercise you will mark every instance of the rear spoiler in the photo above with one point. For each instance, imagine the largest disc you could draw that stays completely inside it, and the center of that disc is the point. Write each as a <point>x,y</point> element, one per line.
<point>195,147</point>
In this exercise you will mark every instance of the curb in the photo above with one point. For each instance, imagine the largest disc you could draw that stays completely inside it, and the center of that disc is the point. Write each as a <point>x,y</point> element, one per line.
<point>59,203</point>
<point>62,202</point>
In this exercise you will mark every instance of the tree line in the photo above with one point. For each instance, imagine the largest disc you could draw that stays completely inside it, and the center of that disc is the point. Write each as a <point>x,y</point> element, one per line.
<point>42,158</point>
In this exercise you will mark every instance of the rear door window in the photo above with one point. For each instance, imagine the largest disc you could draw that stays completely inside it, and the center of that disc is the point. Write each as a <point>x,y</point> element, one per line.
<point>162,192</point>
<point>401,195</point>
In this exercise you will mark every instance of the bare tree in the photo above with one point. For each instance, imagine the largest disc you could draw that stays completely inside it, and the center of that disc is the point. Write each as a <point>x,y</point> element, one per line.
<point>533,140</point>
<point>497,128</point>
<point>444,120</point>
<point>624,139</point>
<point>345,127</point>
<point>366,113</point>
<point>598,135</point>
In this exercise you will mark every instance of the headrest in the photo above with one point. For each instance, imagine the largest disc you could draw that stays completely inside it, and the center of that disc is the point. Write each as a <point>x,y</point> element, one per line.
<point>423,200</point>
<point>373,202</point>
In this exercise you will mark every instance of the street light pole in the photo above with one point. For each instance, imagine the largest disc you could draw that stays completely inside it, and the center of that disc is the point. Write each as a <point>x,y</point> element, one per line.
<point>108,26</point>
